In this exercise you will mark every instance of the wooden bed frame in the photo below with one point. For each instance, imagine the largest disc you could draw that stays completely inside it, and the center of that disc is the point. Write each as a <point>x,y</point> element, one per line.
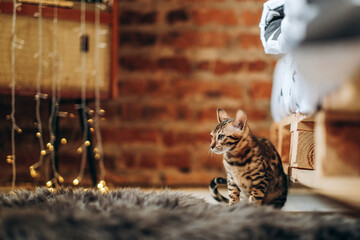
<point>323,151</point>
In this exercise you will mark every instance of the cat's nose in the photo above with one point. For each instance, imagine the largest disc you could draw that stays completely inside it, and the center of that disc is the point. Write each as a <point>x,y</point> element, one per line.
<point>212,146</point>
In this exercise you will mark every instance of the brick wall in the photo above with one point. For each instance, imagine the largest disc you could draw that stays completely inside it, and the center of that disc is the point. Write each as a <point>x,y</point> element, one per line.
<point>179,60</point>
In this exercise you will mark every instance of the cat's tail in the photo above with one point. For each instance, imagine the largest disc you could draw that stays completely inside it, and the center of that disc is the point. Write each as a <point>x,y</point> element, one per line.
<point>213,187</point>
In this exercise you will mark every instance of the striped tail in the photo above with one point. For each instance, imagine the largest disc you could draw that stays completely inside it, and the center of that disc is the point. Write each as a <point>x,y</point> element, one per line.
<point>214,190</point>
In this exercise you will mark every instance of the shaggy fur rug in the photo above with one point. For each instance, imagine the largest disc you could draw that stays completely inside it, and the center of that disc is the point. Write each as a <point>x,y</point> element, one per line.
<point>134,214</point>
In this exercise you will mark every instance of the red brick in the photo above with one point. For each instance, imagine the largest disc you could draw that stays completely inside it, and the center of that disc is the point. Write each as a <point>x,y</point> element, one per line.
<point>212,161</point>
<point>248,41</point>
<point>150,160</point>
<point>129,17</point>
<point>251,17</point>
<point>173,138</point>
<point>206,114</point>
<point>260,90</point>
<point>137,63</point>
<point>130,111</point>
<point>210,114</point>
<point>183,112</point>
<point>132,87</point>
<point>204,66</point>
<point>207,89</point>
<point>156,112</point>
<point>257,66</point>
<point>178,15</point>
<point>196,39</point>
<point>219,16</point>
<point>255,114</point>
<point>221,67</point>
<point>129,158</point>
<point>179,64</point>
<point>136,38</point>
<point>128,135</point>
<point>179,159</point>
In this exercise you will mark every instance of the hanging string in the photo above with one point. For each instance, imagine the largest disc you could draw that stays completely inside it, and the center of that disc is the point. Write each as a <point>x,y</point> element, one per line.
<point>12,158</point>
<point>99,149</point>
<point>83,97</point>
<point>39,95</point>
<point>55,98</point>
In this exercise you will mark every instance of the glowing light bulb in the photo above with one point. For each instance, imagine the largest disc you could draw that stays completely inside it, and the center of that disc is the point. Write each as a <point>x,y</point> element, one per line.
<point>100,185</point>
<point>48,145</point>
<point>97,156</point>
<point>87,143</point>
<point>92,130</point>
<point>33,173</point>
<point>43,152</point>
<point>79,150</point>
<point>38,134</point>
<point>90,121</point>
<point>9,159</point>
<point>51,148</point>
<point>63,141</point>
<point>61,179</point>
<point>102,111</point>
<point>76,181</point>
<point>19,130</point>
<point>49,183</point>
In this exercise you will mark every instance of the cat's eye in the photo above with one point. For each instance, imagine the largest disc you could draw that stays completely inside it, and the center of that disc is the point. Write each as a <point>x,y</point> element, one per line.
<point>221,136</point>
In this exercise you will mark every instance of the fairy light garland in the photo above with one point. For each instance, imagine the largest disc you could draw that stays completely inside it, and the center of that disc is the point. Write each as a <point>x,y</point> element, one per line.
<point>15,43</point>
<point>39,95</point>
<point>77,180</point>
<point>56,90</point>
<point>55,98</point>
<point>98,151</point>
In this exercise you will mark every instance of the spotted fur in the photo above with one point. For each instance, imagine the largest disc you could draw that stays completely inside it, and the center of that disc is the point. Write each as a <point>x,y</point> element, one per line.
<point>253,166</point>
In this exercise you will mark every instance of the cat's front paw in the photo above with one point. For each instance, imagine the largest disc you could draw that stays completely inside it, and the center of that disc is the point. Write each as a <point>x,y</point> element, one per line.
<point>254,201</point>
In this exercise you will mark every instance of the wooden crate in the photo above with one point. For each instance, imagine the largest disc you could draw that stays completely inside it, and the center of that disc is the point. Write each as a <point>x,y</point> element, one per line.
<point>302,148</point>
<point>338,143</point>
<point>69,56</point>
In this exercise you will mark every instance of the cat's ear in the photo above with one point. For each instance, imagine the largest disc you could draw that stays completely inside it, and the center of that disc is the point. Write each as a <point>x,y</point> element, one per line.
<point>221,115</point>
<point>240,120</point>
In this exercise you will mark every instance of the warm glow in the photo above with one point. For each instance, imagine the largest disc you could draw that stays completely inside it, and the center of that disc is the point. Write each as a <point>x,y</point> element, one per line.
<point>76,181</point>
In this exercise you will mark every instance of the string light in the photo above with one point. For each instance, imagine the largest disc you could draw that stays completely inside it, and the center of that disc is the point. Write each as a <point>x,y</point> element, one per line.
<point>38,96</point>
<point>102,186</point>
<point>49,183</point>
<point>14,44</point>
<point>63,141</point>
<point>79,150</point>
<point>76,181</point>
<point>83,98</point>
<point>98,110</point>
<point>9,159</point>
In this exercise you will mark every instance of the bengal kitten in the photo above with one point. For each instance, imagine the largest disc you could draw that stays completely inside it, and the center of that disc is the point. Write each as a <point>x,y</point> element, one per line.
<point>253,166</point>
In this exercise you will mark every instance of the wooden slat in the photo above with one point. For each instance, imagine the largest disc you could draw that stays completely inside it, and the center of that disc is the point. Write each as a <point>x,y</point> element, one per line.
<point>337,142</point>
<point>48,12</point>
<point>344,189</point>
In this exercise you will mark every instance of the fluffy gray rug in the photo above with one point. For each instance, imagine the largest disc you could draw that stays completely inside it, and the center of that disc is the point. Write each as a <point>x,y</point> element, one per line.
<point>134,214</point>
